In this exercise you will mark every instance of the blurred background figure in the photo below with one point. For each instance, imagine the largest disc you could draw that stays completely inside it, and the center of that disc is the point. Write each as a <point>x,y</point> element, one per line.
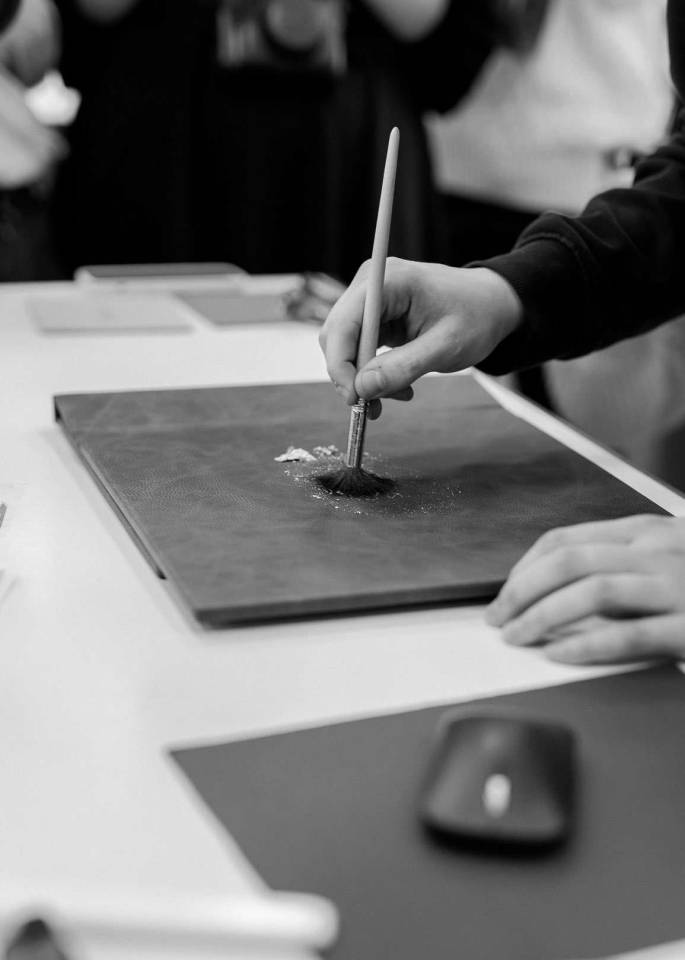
<point>29,48</point>
<point>8,11</point>
<point>552,123</point>
<point>254,131</point>
<point>548,128</point>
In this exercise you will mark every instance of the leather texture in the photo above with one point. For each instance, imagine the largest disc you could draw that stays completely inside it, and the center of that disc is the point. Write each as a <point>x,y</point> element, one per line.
<point>241,537</point>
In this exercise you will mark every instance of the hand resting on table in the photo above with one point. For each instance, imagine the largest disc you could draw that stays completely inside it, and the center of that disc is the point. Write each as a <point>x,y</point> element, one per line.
<point>624,578</point>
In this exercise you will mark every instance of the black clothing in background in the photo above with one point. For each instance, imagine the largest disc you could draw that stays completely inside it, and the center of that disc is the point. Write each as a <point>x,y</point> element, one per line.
<point>8,9</point>
<point>27,250</point>
<point>476,230</point>
<point>613,272</point>
<point>123,193</point>
<point>175,158</point>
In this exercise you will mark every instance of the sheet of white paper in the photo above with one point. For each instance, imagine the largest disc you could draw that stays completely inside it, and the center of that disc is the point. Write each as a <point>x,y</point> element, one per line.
<point>228,307</point>
<point>663,951</point>
<point>95,313</point>
<point>6,582</point>
<point>146,926</point>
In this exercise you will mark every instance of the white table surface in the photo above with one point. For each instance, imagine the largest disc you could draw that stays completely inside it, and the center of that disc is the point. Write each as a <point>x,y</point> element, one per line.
<point>101,670</point>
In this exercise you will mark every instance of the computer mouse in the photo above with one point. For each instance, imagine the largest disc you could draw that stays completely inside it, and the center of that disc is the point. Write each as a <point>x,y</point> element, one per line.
<point>501,780</point>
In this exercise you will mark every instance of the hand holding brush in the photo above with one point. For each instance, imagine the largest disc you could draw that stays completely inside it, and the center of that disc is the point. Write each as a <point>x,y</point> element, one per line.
<point>351,479</point>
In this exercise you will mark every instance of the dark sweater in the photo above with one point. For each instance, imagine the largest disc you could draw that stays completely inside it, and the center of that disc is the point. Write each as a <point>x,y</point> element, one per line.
<point>615,271</point>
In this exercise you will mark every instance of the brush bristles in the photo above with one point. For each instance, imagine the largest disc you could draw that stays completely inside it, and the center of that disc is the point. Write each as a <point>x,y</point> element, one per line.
<point>355,482</point>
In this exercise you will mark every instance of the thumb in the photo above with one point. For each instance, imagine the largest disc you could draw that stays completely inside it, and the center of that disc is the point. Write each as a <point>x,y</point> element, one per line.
<point>396,370</point>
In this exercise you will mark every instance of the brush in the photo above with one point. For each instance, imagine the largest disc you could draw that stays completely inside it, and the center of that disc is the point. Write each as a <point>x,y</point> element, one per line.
<point>351,479</point>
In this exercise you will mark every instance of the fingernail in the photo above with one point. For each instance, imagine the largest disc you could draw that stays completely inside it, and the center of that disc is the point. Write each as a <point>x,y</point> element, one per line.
<point>568,652</point>
<point>495,614</point>
<point>492,614</point>
<point>372,383</point>
<point>514,635</point>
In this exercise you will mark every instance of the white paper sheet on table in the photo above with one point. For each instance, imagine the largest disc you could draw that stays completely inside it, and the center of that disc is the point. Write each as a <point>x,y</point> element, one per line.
<point>6,582</point>
<point>113,924</point>
<point>95,313</point>
<point>663,951</point>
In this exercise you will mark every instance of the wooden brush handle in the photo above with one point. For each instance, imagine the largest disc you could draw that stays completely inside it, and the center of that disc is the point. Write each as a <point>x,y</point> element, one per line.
<point>373,305</point>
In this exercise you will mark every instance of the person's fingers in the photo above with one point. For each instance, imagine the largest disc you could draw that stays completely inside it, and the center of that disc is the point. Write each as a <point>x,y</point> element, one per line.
<point>549,573</point>
<point>613,595</point>
<point>584,625</point>
<point>395,370</point>
<point>623,641</point>
<point>623,530</point>
<point>374,409</point>
<point>339,338</point>
<point>403,395</point>
<point>665,535</point>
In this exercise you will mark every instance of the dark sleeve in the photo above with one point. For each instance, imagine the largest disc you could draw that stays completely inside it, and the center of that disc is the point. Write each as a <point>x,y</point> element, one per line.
<point>613,272</point>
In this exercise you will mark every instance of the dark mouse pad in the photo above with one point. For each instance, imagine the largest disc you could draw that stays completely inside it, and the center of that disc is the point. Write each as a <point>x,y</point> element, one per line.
<point>334,810</point>
<point>193,476</point>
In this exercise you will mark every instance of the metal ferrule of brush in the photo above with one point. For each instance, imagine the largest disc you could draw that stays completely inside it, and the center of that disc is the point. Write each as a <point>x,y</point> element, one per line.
<point>355,439</point>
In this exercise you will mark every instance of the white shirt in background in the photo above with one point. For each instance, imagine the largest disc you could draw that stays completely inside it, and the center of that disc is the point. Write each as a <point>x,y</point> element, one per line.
<point>543,130</point>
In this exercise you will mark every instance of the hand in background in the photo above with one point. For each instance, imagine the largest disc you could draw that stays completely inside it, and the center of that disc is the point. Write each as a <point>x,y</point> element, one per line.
<point>31,45</point>
<point>627,576</point>
<point>436,318</point>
